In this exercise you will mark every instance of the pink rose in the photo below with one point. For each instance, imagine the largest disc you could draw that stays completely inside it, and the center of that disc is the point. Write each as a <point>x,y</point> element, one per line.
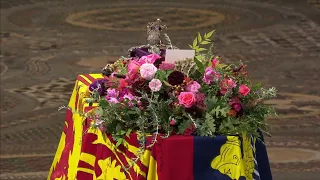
<point>193,87</point>
<point>151,58</point>
<point>187,99</point>
<point>244,90</point>
<point>155,85</point>
<point>133,67</point>
<point>147,71</point>
<point>215,62</point>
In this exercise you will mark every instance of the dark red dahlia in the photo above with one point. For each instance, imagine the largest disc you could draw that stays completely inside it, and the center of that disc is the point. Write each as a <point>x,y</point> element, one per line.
<point>140,85</point>
<point>176,78</point>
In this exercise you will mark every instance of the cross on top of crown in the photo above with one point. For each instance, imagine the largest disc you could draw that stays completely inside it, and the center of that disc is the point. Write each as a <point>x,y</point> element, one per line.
<point>156,26</point>
<point>154,29</point>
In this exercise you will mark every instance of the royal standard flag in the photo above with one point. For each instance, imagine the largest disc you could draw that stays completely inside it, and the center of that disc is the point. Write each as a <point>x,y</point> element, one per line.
<point>86,154</point>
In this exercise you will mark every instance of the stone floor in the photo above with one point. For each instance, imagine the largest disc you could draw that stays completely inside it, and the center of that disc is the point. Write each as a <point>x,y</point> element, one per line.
<point>46,43</point>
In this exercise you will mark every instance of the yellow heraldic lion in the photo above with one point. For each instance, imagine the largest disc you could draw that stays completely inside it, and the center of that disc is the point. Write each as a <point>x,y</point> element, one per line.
<point>110,171</point>
<point>230,161</point>
<point>61,178</point>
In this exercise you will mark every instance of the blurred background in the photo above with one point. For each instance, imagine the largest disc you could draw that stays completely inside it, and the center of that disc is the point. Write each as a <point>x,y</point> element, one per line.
<point>45,44</point>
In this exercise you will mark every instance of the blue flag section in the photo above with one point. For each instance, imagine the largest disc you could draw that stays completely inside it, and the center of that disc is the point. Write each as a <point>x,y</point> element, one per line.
<point>262,160</point>
<point>230,158</point>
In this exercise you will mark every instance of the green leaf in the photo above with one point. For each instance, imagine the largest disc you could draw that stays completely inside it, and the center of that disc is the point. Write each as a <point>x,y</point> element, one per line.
<point>99,111</point>
<point>256,87</point>
<point>190,46</point>
<point>184,125</point>
<point>118,128</point>
<point>220,112</point>
<point>196,75</point>
<point>119,142</point>
<point>199,65</point>
<point>205,42</point>
<point>201,49</point>
<point>209,34</point>
<point>210,103</point>
<point>195,42</point>
<point>210,122</point>
<point>199,37</point>
<point>128,132</point>
<point>161,75</point>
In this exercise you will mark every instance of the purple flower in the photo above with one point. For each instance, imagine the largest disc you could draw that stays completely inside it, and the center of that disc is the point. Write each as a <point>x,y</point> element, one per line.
<point>210,75</point>
<point>112,100</point>
<point>129,96</point>
<point>112,93</point>
<point>99,86</point>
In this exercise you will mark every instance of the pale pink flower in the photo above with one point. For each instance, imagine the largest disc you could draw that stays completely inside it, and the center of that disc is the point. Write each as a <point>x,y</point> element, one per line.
<point>155,85</point>
<point>147,71</point>
<point>193,87</point>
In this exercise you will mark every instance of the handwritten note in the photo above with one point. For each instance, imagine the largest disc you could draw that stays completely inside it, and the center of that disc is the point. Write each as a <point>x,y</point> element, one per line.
<point>174,55</point>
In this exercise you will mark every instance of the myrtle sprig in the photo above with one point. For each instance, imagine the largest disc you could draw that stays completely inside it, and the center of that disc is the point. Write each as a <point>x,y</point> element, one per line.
<point>202,40</point>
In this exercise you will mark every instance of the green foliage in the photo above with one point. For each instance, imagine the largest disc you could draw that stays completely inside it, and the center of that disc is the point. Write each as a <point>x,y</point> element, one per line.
<point>185,124</point>
<point>201,40</point>
<point>210,103</point>
<point>199,65</point>
<point>220,111</point>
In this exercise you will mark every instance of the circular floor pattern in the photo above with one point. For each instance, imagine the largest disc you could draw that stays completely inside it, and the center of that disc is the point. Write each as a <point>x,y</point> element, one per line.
<point>8,103</point>
<point>127,18</point>
<point>96,62</point>
<point>286,155</point>
<point>224,16</point>
<point>292,105</point>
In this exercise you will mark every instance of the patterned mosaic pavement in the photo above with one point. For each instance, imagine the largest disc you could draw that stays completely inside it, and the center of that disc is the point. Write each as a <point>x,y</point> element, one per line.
<point>45,44</point>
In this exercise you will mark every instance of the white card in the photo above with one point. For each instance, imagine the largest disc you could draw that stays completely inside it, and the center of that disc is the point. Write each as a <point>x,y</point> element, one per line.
<point>174,55</point>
